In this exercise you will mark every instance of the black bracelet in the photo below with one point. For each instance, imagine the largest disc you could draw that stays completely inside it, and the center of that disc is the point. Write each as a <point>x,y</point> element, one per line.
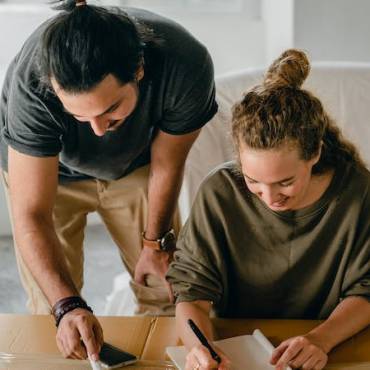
<point>66,305</point>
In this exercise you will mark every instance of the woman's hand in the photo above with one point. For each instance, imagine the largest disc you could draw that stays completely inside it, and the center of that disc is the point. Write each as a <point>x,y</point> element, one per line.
<point>299,352</point>
<point>199,358</point>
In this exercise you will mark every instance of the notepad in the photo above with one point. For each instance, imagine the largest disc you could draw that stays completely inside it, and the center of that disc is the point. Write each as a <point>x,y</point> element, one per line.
<point>245,352</point>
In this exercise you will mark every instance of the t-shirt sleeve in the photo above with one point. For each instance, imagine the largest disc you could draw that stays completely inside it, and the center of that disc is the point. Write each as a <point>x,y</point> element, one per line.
<point>190,98</point>
<point>357,277</point>
<point>195,273</point>
<point>30,127</point>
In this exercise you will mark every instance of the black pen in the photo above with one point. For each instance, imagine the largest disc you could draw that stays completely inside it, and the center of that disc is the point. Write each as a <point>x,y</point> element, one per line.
<point>203,340</point>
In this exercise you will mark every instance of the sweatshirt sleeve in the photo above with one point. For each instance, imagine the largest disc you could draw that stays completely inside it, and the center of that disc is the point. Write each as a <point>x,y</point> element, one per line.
<point>196,272</point>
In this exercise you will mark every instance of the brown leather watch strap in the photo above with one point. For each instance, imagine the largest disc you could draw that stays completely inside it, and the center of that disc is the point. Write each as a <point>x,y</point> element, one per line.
<point>166,243</point>
<point>154,244</point>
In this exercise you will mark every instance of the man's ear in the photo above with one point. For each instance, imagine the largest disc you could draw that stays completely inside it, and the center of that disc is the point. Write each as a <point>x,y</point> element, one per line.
<point>140,73</point>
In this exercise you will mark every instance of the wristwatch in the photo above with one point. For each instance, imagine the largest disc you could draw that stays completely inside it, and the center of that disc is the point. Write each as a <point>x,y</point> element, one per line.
<point>166,243</point>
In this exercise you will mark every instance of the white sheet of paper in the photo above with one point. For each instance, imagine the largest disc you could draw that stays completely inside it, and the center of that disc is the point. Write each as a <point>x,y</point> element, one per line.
<point>250,352</point>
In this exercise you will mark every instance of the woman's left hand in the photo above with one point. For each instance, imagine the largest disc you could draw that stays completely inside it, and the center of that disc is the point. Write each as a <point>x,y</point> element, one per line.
<point>299,352</point>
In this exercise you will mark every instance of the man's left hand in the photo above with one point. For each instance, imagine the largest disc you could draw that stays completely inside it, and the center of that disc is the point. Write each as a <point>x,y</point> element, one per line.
<point>153,262</point>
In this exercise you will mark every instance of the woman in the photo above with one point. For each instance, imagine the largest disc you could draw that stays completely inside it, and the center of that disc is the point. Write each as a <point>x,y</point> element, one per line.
<point>283,232</point>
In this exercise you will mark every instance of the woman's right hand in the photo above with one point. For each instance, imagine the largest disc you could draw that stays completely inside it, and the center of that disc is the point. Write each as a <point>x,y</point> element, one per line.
<point>199,358</point>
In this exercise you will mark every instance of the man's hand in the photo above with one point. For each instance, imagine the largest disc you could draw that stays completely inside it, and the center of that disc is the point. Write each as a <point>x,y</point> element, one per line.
<point>299,352</point>
<point>200,358</point>
<point>79,334</point>
<point>153,262</point>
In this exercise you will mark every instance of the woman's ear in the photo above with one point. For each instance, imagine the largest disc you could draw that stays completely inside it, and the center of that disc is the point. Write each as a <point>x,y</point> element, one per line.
<point>316,158</point>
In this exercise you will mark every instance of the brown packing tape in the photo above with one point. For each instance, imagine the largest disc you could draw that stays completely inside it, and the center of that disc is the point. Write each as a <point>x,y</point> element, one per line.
<point>162,334</point>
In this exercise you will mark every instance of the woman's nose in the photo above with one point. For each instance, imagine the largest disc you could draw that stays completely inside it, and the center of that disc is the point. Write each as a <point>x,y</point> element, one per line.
<point>268,195</point>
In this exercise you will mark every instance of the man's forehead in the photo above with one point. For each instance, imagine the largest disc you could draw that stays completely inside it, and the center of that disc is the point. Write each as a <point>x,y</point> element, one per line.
<point>93,103</point>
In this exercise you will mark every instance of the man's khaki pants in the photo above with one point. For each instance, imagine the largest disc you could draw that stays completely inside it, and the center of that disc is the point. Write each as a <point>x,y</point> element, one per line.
<point>122,205</point>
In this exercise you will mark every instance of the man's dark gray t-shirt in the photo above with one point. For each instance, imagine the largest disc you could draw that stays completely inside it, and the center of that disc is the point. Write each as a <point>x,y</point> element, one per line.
<point>176,95</point>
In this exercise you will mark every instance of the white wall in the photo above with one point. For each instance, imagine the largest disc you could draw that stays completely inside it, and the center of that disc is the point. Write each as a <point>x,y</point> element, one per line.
<point>232,30</point>
<point>278,17</point>
<point>333,29</point>
<point>16,24</point>
<point>329,30</point>
<point>233,42</point>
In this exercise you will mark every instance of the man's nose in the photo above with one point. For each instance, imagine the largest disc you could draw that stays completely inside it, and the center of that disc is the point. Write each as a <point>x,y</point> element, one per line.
<point>99,126</point>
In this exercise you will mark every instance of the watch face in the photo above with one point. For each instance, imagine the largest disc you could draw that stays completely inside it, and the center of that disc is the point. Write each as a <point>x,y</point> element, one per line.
<point>168,241</point>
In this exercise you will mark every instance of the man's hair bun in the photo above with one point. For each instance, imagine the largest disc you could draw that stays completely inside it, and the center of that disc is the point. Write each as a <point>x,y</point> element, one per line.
<point>66,5</point>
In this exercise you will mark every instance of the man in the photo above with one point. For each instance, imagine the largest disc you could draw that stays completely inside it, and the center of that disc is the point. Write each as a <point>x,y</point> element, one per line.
<point>98,113</point>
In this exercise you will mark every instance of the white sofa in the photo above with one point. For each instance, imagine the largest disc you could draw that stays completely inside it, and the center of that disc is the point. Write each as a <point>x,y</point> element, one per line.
<point>344,89</point>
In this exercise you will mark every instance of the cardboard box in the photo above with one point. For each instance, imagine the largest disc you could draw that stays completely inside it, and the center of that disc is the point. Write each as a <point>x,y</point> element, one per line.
<point>147,337</point>
<point>32,339</point>
<point>36,333</point>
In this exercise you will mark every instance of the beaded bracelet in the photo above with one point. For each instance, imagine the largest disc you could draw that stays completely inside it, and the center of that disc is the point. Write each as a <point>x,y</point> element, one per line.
<point>66,305</point>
